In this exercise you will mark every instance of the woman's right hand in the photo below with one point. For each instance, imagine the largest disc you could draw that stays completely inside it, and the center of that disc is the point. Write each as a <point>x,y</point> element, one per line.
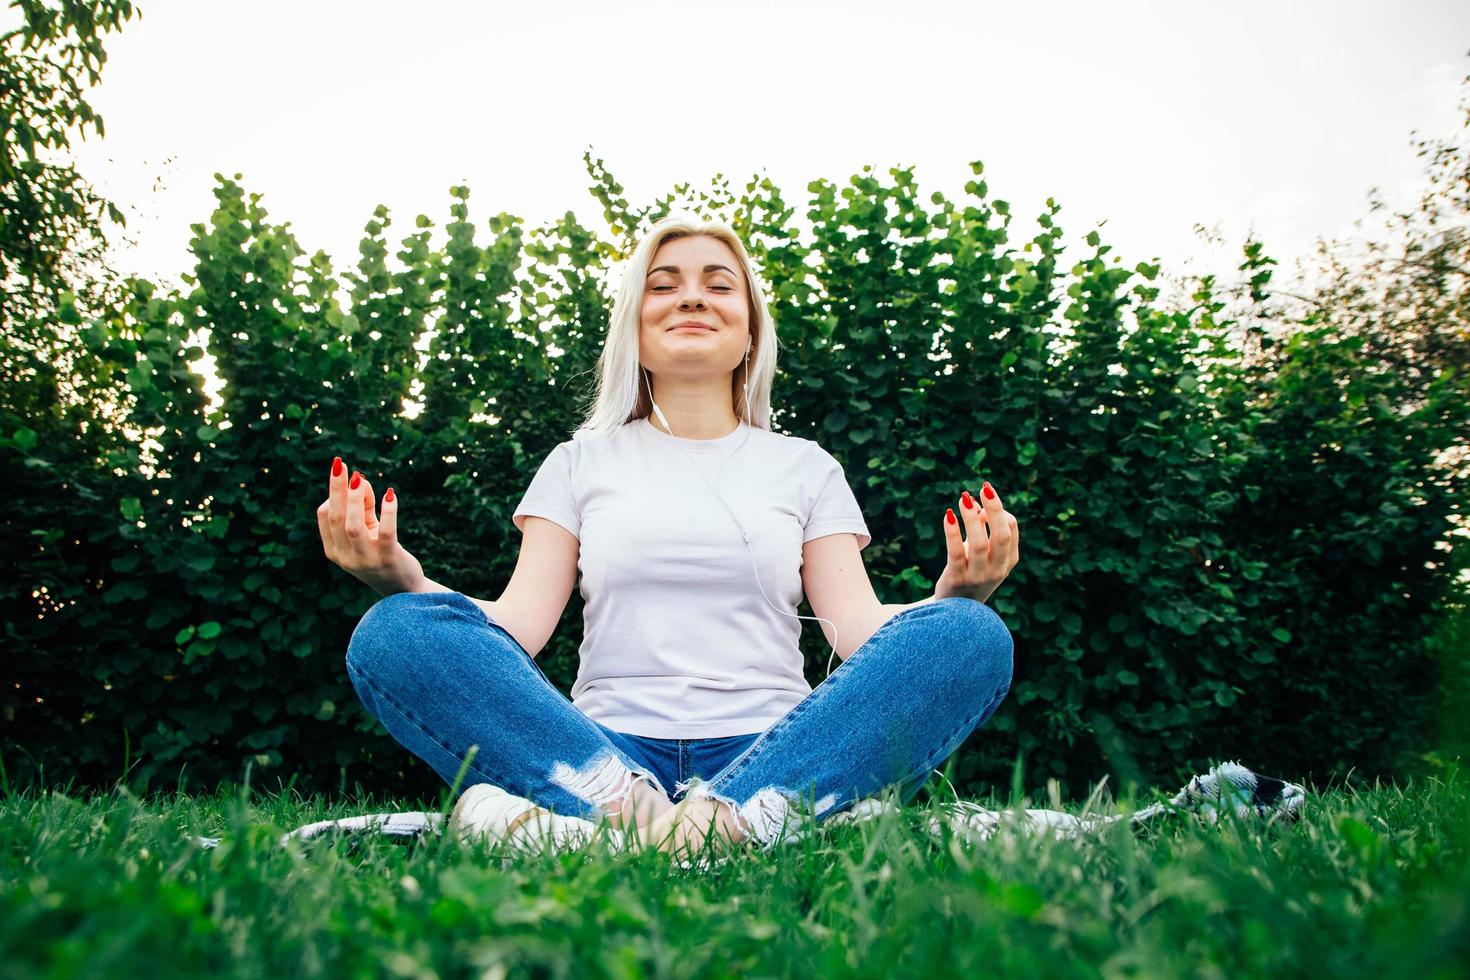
<point>363,546</point>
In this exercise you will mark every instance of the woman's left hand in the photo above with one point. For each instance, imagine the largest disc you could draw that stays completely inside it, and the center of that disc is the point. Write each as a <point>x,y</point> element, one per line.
<point>979,562</point>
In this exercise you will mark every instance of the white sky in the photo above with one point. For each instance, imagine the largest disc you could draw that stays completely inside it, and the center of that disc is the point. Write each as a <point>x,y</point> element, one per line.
<point>1152,116</point>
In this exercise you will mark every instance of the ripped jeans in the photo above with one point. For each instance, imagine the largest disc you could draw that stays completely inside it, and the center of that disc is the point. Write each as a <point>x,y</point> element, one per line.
<point>442,676</point>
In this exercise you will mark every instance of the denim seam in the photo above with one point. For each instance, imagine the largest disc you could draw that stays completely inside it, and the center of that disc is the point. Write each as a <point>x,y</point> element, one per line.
<point>887,624</point>
<point>637,768</point>
<point>487,621</point>
<point>738,765</point>
<point>419,726</point>
<point>970,725</point>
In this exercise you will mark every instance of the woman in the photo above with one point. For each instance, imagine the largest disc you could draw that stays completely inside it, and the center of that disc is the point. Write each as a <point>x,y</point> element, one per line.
<point>696,530</point>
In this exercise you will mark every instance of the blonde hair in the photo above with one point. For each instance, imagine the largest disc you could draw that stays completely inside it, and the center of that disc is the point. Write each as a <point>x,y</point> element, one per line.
<point>620,395</point>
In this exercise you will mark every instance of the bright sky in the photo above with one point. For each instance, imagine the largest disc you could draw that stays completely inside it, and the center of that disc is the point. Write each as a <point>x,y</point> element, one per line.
<point>1151,116</point>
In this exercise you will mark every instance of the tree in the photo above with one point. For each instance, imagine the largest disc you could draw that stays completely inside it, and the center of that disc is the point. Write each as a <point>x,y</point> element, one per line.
<point>52,234</point>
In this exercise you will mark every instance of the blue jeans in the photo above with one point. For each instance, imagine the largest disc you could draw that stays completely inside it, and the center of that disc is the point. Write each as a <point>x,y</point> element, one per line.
<point>443,677</point>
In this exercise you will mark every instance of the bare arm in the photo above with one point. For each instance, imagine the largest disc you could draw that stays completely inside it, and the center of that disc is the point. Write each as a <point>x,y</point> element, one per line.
<point>837,586</point>
<point>532,603</point>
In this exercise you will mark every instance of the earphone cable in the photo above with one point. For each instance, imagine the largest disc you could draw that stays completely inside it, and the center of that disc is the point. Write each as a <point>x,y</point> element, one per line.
<point>746,537</point>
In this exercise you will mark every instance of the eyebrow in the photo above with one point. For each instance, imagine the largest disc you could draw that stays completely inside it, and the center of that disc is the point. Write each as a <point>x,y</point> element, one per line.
<point>675,269</point>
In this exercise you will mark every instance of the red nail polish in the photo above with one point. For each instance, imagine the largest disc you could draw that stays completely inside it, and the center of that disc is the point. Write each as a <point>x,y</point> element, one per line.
<point>356,479</point>
<point>949,511</point>
<point>388,497</point>
<point>989,493</point>
<point>337,466</point>
<point>967,500</point>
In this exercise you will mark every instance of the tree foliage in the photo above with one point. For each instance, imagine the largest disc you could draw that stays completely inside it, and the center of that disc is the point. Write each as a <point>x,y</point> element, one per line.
<point>51,220</point>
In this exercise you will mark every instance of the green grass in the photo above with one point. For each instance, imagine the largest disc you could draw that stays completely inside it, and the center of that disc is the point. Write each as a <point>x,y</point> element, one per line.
<point>1372,882</point>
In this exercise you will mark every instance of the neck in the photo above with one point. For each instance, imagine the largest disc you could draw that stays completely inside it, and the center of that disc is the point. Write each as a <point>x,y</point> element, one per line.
<point>686,428</point>
<point>694,411</point>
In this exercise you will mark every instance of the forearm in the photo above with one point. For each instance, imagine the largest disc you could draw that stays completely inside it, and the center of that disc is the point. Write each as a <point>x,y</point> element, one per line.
<point>859,630</point>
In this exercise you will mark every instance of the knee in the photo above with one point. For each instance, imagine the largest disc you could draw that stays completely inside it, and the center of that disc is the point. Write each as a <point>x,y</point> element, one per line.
<point>378,642</point>
<point>983,644</point>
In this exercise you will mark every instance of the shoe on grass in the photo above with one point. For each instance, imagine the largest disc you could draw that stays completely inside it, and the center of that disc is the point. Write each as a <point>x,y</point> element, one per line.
<point>976,823</point>
<point>702,864</point>
<point>860,812</point>
<point>863,810</point>
<point>1228,787</point>
<point>1231,787</point>
<point>485,811</point>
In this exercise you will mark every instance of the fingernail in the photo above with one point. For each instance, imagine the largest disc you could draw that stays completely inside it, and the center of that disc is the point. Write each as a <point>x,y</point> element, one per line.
<point>949,512</point>
<point>336,465</point>
<point>388,497</point>
<point>967,500</point>
<point>989,493</point>
<point>356,479</point>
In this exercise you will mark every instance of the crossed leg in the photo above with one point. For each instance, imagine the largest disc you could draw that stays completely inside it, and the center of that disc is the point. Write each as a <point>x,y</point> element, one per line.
<point>442,676</point>
<point>437,706</point>
<point>896,708</point>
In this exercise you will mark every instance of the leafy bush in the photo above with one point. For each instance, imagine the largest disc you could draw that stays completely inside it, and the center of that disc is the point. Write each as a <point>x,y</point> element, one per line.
<point>1224,553</point>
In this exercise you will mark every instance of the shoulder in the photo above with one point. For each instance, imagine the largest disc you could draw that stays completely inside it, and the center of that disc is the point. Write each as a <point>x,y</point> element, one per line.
<point>810,451</point>
<point>590,447</point>
<point>564,450</point>
<point>783,439</point>
<point>789,450</point>
<point>564,458</point>
<point>592,439</point>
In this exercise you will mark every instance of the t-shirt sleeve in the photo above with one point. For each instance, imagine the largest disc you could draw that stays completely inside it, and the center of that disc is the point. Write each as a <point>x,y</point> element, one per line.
<point>834,509</point>
<point>550,493</point>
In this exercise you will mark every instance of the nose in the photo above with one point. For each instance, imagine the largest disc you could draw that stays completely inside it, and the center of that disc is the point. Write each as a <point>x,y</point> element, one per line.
<point>692,298</point>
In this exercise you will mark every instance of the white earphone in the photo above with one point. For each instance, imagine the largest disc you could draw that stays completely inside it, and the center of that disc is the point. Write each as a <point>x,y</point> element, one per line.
<point>746,387</point>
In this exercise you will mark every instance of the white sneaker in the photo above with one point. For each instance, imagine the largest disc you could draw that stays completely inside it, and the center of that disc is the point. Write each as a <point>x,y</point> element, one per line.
<point>1228,787</point>
<point>702,864</point>
<point>865,809</point>
<point>975,823</point>
<point>1231,787</point>
<point>484,811</point>
<point>869,808</point>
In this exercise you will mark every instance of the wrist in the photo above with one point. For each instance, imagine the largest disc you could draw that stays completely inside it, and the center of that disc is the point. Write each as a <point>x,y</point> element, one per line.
<point>979,594</point>
<point>394,584</point>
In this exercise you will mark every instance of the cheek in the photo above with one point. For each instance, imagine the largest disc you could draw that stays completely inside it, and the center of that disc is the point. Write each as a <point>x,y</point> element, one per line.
<point>736,308</point>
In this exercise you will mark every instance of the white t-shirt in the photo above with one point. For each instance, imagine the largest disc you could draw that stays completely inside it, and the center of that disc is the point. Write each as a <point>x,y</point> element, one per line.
<point>678,641</point>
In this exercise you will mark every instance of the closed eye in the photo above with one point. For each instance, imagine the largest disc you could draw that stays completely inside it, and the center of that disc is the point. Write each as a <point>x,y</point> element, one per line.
<point>654,289</point>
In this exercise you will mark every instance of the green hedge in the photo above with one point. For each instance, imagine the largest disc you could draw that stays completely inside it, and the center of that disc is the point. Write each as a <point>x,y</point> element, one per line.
<point>1223,555</point>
